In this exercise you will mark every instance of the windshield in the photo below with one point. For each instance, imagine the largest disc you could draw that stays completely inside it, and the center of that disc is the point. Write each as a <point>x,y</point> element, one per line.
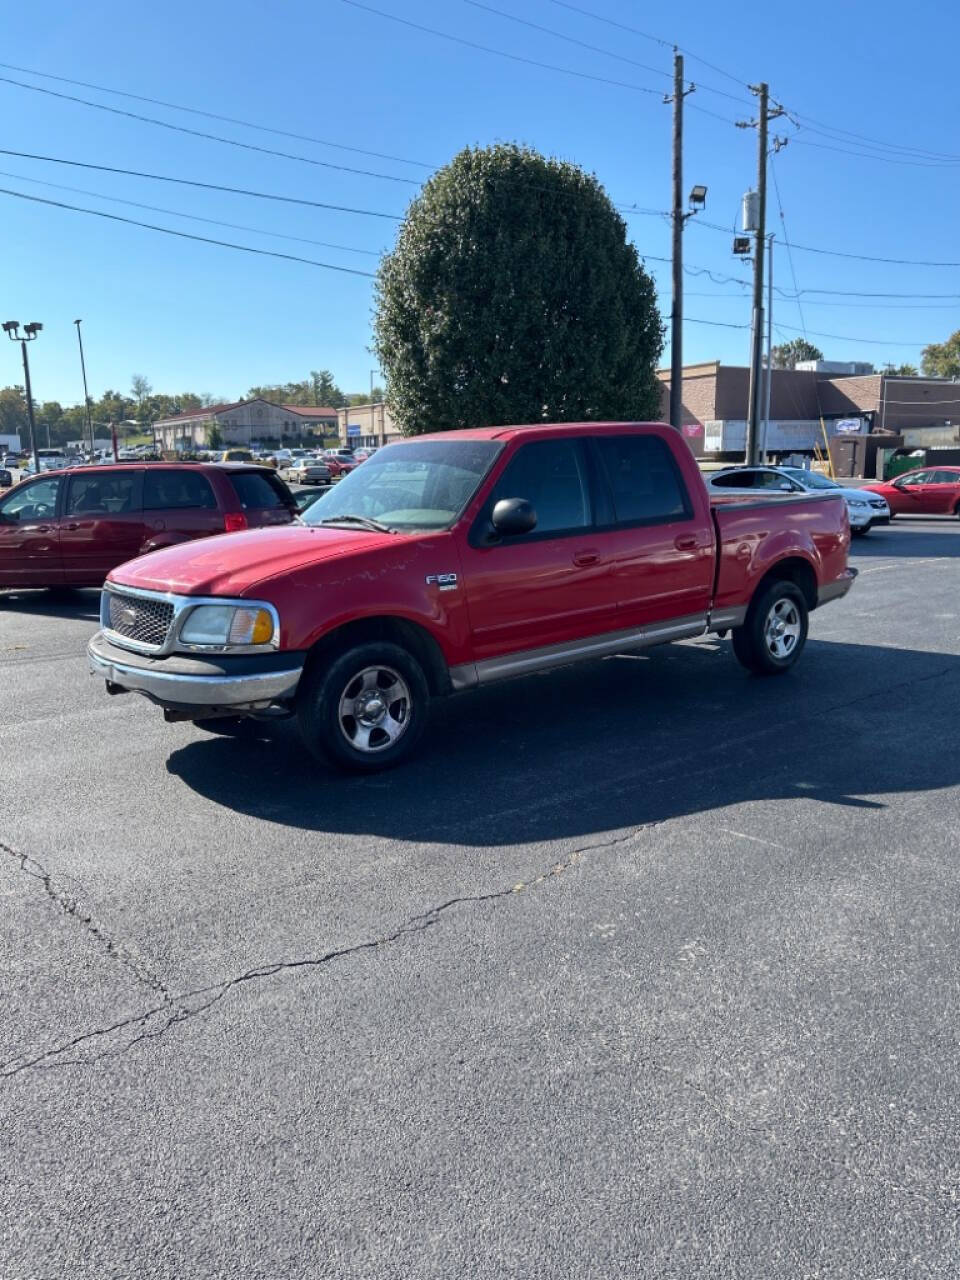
<point>810,479</point>
<point>424,485</point>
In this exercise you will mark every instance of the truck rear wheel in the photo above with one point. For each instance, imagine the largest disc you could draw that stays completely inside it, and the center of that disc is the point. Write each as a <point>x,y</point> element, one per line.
<point>367,708</point>
<point>775,630</point>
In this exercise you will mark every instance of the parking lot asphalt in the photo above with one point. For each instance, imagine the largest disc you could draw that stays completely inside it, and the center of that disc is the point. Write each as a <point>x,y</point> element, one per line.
<point>641,968</point>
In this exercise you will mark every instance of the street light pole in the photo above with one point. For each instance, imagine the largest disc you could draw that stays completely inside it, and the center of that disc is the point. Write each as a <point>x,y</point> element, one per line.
<point>12,329</point>
<point>86,394</point>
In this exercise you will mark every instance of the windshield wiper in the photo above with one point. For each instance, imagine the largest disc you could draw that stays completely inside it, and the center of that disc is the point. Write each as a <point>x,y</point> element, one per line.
<point>364,522</point>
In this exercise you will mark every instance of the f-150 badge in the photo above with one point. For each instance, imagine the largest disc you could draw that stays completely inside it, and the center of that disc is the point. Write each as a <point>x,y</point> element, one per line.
<point>445,581</point>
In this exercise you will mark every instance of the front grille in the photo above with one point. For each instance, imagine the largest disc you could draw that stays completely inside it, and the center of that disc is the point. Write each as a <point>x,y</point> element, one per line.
<point>143,621</point>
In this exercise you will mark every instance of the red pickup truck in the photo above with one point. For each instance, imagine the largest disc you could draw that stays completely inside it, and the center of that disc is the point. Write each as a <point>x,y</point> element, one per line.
<point>449,561</point>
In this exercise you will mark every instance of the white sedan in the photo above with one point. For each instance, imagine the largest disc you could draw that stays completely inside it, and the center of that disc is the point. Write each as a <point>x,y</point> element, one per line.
<point>305,471</point>
<point>864,508</point>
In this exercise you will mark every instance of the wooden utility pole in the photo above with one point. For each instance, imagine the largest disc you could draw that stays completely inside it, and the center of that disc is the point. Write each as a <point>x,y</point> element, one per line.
<point>679,218</point>
<point>754,411</point>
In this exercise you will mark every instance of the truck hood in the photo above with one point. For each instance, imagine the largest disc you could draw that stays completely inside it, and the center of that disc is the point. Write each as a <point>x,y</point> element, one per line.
<point>232,564</point>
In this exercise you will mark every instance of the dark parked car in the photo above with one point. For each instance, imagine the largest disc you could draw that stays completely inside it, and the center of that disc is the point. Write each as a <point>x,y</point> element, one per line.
<point>6,479</point>
<point>70,528</point>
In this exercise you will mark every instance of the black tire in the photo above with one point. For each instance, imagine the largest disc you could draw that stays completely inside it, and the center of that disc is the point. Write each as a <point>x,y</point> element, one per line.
<point>337,687</point>
<point>862,533</point>
<point>755,648</point>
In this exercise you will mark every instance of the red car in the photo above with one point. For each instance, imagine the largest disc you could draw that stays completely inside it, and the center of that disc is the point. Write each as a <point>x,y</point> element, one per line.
<point>933,491</point>
<point>70,528</point>
<point>449,561</point>
<point>340,461</point>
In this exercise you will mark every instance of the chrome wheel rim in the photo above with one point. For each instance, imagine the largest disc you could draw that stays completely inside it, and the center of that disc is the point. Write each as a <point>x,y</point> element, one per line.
<point>781,632</point>
<point>374,709</point>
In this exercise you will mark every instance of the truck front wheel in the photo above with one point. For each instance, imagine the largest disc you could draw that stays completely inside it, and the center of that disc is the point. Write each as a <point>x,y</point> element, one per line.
<point>774,631</point>
<point>366,708</point>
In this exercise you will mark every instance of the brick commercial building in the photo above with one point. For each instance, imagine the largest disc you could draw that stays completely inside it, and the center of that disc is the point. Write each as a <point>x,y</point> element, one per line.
<point>244,422</point>
<point>864,414</point>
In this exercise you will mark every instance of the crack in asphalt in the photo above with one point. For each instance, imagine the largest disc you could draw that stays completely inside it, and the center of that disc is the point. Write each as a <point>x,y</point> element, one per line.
<point>70,906</point>
<point>180,1007</point>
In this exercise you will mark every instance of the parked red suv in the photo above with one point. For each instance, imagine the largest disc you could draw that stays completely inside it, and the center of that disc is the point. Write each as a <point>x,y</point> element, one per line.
<point>70,528</point>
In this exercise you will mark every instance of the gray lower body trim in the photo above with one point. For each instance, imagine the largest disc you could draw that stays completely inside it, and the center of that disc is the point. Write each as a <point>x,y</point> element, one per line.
<point>724,619</point>
<point>527,661</point>
<point>835,590</point>
<point>191,682</point>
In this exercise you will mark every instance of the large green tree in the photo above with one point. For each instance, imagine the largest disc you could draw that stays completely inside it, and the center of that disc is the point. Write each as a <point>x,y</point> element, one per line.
<point>789,354</point>
<point>942,359</point>
<point>513,295</point>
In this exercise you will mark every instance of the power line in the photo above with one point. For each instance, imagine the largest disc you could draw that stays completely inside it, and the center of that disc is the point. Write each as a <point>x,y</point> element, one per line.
<point>212,115</point>
<point>808,122</point>
<point>786,240</point>
<point>207,186</point>
<point>869,155</point>
<point>194,217</point>
<point>666,44</point>
<point>582,44</point>
<point>185,235</point>
<point>837,253</point>
<point>210,137</point>
<point>500,53</point>
<point>846,337</point>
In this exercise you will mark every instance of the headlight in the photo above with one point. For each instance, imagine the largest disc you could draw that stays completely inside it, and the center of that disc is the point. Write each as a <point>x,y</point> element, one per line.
<point>223,625</point>
<point>857,502</point>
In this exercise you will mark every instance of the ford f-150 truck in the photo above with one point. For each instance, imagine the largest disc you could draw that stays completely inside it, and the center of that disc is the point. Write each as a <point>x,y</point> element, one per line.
<point>452,560</point>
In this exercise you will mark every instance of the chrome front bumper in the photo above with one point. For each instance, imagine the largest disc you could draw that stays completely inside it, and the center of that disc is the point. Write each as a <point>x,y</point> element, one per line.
<point>244,682</point>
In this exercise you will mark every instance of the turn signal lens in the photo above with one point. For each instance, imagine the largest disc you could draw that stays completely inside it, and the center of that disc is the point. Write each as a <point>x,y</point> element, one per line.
<point>251,626</point>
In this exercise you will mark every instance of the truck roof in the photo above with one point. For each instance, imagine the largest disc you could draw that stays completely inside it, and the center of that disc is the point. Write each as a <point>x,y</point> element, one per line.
<point>509,432</point>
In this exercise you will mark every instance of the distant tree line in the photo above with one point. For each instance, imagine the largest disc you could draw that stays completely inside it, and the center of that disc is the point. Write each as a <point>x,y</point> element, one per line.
<point>136,411</point>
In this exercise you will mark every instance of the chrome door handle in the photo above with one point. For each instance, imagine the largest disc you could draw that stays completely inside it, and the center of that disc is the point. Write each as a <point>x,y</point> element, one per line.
<point>71,526</point>
<point>584,558</point>
<point>686,542</point>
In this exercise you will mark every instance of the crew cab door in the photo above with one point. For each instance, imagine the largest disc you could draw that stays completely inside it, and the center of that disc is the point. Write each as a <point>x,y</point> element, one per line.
<point>30,535</point>
<point>659,532</point>
<point>102,523</point>
<point>551,586</point>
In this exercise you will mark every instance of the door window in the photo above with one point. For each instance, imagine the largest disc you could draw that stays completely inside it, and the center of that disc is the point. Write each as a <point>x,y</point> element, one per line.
<point>552,476</point>
<point>919,477</point>
<point>176,491</point>
<point>646,482</point>
<point>772,481</point>
<point>36,501</point>
<point>259,490</point>
<point>945,477</point>
<point>110,493</point>
<point>735,480</point>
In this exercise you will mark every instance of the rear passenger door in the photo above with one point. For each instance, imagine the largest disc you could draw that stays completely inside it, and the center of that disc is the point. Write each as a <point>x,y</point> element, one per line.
<point>178,504</point>
<point>102,523</point>
<point>942,492</point>
<point>660,536</point>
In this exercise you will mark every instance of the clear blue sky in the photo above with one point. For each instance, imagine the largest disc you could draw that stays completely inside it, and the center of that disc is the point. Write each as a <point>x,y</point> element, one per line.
<point>193,316</point>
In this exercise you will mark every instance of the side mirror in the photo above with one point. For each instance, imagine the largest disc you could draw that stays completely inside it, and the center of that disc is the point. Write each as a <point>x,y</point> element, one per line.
<point>513,516</point>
